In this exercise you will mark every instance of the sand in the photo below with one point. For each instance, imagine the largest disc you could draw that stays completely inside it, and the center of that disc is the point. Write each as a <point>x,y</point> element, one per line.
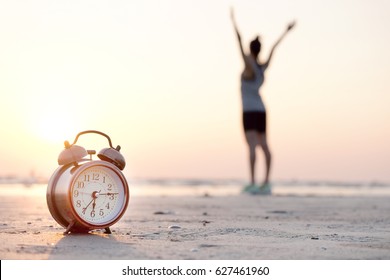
<point>200,227</point>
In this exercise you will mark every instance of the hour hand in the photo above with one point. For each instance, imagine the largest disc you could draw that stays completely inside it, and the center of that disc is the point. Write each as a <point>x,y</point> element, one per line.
<point>109,193</point>
<point>95,195</point>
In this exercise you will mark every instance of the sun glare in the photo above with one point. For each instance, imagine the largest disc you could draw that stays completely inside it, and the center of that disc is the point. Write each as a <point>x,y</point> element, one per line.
<point>52,127</point>
<point>51,106</point>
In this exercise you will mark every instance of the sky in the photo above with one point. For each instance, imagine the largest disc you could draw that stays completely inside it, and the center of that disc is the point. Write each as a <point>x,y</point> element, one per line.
<point>162,79</point>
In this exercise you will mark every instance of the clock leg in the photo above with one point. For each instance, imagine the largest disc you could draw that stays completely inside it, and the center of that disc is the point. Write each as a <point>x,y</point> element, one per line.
<point>73,228</point>
<point>107,230</point>
<point>69,228</point>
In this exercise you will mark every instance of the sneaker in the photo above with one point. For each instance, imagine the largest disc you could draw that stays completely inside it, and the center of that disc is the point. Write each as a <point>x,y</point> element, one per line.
<point>249,188</point>
<point>262,190</point>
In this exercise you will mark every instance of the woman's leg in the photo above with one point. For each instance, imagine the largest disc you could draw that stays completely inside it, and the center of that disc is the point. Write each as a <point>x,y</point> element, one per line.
<point>262,141</point>
<point>252,140</point>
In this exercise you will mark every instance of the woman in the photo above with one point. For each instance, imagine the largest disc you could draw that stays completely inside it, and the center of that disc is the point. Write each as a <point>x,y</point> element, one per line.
<point>254,112</point>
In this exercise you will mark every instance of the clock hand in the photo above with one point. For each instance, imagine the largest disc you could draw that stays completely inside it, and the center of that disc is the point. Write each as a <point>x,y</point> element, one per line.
<point>85,193</point>
<point>108,193</point>
<point>94,196</point>
<point>85,208</point>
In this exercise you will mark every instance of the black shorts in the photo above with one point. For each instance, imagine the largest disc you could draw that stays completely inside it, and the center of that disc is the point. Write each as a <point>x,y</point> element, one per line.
<point>255,121</point>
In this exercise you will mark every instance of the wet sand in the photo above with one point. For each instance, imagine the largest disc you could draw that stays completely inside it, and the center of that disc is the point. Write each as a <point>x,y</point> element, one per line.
<point>207,227</point>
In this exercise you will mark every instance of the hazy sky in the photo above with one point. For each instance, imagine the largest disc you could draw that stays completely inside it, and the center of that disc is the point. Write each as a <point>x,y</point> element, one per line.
<point>162,79</point>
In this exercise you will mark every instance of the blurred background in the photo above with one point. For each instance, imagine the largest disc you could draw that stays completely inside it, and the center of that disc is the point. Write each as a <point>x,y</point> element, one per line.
<point>162,79</point>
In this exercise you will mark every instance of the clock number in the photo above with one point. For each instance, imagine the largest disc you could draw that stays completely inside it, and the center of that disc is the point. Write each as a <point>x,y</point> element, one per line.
<point>109,187</point>
<point>86,178</point>
<point>76,193</point>
<point>112,196</point>
<point>104,179</point>
<point>95,176</point>
<point>78,203</point>
<point>108,205</point>
<point>80,184</point>
<point>93,213</point>
<point>101,213</point>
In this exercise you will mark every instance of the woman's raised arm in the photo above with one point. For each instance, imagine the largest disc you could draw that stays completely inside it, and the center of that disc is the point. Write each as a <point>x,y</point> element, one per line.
<point>238,34</point>
<point>289,27</point>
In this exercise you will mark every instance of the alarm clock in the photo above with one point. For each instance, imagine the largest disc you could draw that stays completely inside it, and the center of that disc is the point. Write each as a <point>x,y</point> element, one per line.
<point>84,194</point>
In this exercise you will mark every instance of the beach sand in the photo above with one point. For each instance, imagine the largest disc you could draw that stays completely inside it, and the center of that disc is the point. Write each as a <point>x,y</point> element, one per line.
<point>207,227</point>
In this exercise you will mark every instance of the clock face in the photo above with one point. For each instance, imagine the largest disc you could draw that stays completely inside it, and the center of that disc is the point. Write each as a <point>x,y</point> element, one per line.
<point>98,195</point>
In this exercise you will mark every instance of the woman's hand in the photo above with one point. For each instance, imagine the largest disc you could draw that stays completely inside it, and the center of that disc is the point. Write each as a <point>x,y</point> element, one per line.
<point>291,26</point>
<point>233,20</point>
<point>232,15</point>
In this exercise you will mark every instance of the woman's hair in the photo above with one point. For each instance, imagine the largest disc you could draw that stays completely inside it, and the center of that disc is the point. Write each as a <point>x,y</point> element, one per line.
<point>255,46</point>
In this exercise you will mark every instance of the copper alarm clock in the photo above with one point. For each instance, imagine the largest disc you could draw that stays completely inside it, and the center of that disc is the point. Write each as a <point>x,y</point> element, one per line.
<point>85,194</point>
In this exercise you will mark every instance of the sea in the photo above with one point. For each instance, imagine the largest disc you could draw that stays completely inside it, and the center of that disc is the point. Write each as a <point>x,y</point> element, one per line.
<point>222,187</point>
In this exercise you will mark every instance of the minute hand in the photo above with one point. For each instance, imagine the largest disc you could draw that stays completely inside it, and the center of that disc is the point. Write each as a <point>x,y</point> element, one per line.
<point>85,208</point>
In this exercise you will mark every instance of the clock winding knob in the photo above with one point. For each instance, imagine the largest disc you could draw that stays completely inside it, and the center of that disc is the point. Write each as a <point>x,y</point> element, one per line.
<point>113,156</point>
<point>71,154</point>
